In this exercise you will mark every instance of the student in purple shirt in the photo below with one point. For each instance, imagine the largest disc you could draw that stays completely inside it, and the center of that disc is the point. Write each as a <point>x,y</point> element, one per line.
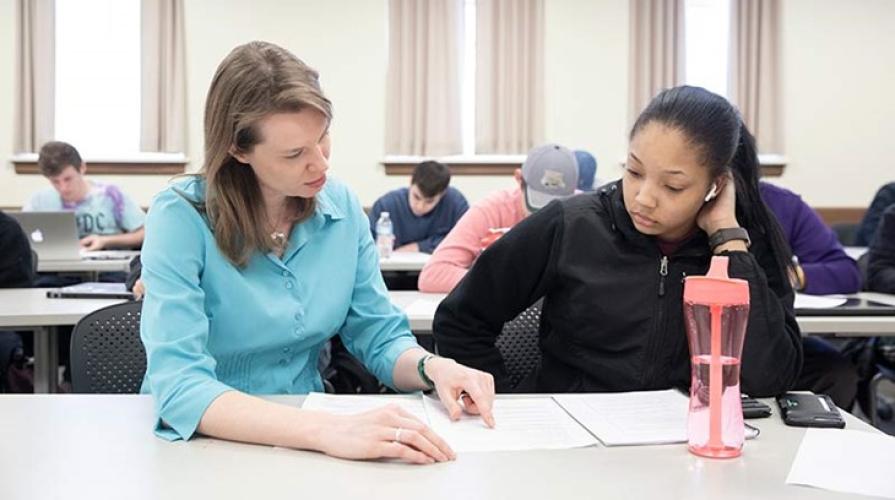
<point>823,268</point>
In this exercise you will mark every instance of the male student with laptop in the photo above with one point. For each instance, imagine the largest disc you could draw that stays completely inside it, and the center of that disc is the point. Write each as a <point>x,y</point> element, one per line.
<point>105,215</point>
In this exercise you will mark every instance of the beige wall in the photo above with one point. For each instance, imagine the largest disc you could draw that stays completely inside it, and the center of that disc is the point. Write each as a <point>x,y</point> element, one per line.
<point>835,95</point>
<point>838,100</point>
<point>587,78</point>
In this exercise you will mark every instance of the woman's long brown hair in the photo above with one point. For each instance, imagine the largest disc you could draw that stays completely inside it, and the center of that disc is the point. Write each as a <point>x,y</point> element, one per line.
<point>252,82</point>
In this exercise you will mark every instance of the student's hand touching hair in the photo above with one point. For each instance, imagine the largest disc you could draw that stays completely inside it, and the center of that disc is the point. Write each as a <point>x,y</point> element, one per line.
<point>387,432</point>
<point>720,213</point>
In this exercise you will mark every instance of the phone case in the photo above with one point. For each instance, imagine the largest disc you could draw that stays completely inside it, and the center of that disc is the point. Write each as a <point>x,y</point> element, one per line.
<point>810,410</point>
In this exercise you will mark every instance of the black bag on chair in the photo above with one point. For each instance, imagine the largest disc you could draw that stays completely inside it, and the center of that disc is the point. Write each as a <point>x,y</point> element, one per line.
<point>347,375</point>
<point>16,375</point>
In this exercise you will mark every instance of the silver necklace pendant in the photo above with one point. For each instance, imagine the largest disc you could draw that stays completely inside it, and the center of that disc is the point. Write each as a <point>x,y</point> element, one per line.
<point>279,238</point>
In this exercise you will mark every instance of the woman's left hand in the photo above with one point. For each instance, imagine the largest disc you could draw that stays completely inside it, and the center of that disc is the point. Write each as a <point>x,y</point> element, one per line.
<point>457,384</point>
<point>720,213</point>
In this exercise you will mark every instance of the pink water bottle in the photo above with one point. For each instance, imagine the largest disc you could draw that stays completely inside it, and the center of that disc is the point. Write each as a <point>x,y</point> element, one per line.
<point>716,311</point>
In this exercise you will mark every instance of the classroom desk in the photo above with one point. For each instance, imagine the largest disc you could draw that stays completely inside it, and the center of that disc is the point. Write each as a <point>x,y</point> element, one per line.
<point>852,326</point>
<point>30,309</point>
<point>420,308</point>
<point>84,266</point>
<point>94,446</point>
<point>404,261</point>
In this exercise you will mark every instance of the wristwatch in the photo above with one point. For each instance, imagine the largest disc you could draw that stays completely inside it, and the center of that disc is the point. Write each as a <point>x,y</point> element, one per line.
<point>722,236</point>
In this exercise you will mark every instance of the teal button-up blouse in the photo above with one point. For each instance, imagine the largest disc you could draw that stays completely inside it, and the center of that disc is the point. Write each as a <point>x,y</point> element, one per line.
<point>210,327</point>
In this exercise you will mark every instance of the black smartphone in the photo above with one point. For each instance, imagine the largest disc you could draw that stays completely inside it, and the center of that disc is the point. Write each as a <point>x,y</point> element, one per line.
<point>753,408</point>
<point>810,410</point>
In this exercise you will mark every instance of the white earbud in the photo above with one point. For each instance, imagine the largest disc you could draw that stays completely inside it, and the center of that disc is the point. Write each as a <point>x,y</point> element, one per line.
<point>712,193</point>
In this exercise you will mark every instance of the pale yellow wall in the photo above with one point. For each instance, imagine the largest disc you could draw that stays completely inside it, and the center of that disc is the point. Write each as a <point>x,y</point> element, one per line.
<point>837,94</point>
<point>587,78</point>
<point>839,102</point>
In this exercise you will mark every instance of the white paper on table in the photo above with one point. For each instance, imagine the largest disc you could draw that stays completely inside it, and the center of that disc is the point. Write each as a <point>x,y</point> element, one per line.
<point>522,423</point>
<point>804,301</point>
<point>855,252</point>
<point>845,460</point>
<point>530,423</point>
<point>349,404</point>
<point>408,258</point>
<point>631,418</point>
<point>422,308</point>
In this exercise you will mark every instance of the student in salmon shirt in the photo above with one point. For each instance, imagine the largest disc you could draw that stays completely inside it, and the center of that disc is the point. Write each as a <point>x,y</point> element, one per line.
<point>550,171</point>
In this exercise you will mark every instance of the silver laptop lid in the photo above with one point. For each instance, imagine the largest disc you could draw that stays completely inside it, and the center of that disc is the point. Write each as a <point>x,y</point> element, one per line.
<point>53,235</point>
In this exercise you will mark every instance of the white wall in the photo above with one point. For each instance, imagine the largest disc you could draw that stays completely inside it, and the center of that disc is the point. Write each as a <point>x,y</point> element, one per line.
<point>838,99</point>
<point>836,95</point>
<point>587,78</point>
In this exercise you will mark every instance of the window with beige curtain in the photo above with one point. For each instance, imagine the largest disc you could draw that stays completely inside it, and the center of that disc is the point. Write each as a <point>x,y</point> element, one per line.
<point>423,78</point>
<point>104,75</point>
<point>163,93</point>
<point>34,74</point>
<point>509,102</point>
<point>465,77</point>
<point>755,74</point>
<point>656,58</point>
<point>733,49</point>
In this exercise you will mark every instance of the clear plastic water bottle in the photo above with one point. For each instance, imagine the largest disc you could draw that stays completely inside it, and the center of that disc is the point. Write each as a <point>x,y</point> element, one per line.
<point>385,235</point>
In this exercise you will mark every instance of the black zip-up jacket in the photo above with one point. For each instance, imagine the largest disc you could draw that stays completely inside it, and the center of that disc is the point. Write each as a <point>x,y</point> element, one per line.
<point>15,255</point>
<point>612,317</point>
<point>881,263</point>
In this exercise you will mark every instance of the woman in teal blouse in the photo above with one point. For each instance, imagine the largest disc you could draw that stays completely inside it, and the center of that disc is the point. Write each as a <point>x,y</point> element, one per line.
<point>252,265</point>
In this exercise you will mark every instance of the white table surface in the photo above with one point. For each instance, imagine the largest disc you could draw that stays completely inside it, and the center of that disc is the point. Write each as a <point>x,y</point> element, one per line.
<point>98,447</point>
<point>852,326</point>
<point>29,307</point>
<point>404,261</point>
<point>848,326</point>
<point>420,307</point>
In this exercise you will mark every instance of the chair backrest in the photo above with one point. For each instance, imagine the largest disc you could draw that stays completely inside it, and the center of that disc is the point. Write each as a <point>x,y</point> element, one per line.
<point>846,232</point>
<point>518,343</point>
<point>107,355</point>
<point>34,262</point>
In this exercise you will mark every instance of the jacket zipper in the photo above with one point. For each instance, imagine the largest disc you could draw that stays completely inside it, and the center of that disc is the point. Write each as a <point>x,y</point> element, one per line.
<point>655,339</point>
<point>663,272</point>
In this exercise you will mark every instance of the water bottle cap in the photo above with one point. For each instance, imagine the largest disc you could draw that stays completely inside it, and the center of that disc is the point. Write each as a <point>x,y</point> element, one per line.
<point>716,287</point>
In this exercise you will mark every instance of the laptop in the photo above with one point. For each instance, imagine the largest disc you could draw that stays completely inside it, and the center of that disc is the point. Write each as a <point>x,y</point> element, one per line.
<point>53,235</point>
<point>91,291</point>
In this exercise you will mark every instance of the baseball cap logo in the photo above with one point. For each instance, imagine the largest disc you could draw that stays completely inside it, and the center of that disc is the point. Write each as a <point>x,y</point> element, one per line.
<point>553,180</point>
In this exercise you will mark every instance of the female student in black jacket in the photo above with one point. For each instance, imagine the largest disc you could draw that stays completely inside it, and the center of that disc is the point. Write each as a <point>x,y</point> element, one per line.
<point>610,265</point>
<point>881,263</point>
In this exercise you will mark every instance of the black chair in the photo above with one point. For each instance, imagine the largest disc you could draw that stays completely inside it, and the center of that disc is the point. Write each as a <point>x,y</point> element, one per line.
<point>107,355</point>
<point>846,232</point>
<point>34,262</point>
<point>518,344</point>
